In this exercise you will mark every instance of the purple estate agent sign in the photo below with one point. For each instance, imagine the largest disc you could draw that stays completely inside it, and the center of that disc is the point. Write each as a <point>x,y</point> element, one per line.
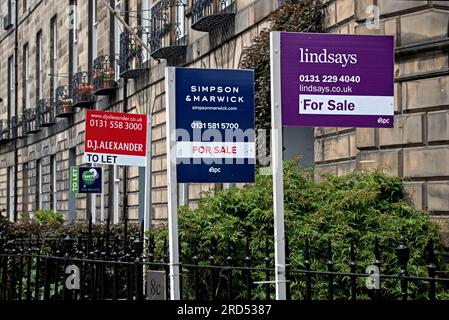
<point>330,80</point>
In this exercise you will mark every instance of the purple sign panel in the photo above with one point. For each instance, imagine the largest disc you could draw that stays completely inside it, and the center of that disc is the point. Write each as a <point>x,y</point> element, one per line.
<point>330,80</point>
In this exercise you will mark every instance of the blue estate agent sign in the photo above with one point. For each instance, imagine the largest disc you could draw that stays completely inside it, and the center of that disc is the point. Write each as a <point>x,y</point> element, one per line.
<point>215,125</point>
<point>86,180</point>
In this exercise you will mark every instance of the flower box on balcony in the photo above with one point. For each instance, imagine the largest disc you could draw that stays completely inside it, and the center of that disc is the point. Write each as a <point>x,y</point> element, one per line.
<point>104,82</point>
<point>83,96</point>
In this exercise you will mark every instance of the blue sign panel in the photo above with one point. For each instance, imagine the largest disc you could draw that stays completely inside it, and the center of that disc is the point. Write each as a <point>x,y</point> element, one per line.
<point>215,126</point>
<point>90,180</point>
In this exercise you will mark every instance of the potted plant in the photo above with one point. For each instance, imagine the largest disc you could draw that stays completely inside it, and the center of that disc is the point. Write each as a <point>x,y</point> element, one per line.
<point>108,78</point>
<point>66,105</point>
<point>85,92</point>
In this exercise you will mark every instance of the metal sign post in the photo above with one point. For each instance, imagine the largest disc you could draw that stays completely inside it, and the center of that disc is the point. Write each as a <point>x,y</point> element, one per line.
<point>276,162</point>
<point>172,184</point>
<point>214,142</point>
<point>325,80</point>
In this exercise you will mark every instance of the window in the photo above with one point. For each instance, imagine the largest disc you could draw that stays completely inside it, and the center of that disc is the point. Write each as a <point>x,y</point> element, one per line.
<point>181,19</point>
<point>11,194</point>
<point>12,11</point>
<point>72,197</point>
<point>94,29</point>
<point>26,77</point>
<point>25,188</point>
<point>38,184</point>
<point>73,44</point>
<point>11,91</point>
<point>53,188</point>
<point>54,56</point>
<point>26,6</point>
<point>117,33</point>
<point>146,16</point>
<point>39,71</point>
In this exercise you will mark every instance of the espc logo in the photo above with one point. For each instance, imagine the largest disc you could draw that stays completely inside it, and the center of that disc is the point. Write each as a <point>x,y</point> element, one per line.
<point>214,170</point>
<point>383,121</point>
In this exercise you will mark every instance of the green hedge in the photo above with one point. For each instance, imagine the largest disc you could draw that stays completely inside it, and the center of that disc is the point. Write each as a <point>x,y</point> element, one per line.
<point>359,206</point>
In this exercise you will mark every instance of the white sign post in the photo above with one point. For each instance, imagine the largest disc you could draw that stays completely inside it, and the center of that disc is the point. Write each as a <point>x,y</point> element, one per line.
<point>148,184</point>
<point>172,184</point>
<point>276,162</point>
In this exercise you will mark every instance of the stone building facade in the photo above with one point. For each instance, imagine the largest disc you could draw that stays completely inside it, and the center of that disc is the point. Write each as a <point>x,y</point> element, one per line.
<point>34,167</point>
<point>417,149</point>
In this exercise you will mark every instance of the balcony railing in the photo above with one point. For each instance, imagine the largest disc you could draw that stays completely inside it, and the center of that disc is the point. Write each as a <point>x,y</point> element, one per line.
<point>168,31</point>
<point>82,90</point>
<point>45,113</point>
<point>208,15</point>
<point>131,60</point>
<point>103,77</point>
<point>63,103</point>
<point>17,127</point>
<point>30,124</point>
<point>4,131</point>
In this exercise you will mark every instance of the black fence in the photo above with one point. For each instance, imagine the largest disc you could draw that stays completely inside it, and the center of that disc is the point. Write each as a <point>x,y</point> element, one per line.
<point>114,268</point>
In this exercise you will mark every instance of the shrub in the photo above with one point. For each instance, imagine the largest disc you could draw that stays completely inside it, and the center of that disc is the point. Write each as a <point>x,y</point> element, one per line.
<point>360,206</point>
<point>49,216</point>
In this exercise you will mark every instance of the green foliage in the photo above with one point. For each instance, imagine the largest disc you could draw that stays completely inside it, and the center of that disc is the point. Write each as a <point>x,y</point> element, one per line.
<point>359,206</point>
<point>49,216</point>
<point>295,16</point>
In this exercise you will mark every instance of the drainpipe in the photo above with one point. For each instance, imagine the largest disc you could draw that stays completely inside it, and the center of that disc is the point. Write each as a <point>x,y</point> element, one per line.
<point>125,168</point>
<point>16,99</point>
<point>89,197</point>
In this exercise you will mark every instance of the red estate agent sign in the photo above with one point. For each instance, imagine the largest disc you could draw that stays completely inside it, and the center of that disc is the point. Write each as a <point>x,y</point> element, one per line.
<point>115,138</point>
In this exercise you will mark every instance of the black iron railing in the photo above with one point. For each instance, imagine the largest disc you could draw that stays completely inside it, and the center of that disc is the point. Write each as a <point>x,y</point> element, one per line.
<point>63,103</point>
<point>82,90</point>
<point>112,269</point>
<point>30,121</point>
<point>208,15</point>
<point>168,29</point>
<point>5,132</point>
<point>45,113</point>
<point>103,76</point>
<point>132,54</point>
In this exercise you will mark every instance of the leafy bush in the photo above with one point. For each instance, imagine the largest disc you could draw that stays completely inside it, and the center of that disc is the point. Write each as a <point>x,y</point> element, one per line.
<point>49,216</point>
<point>359,206</point>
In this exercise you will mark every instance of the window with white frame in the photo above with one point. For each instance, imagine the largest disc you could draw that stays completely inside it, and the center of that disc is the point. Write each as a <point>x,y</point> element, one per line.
<point>12,11</point>
<point>74,44</point>
<point>146,16</point>
<point>39,66</point>
<point>25,187</point>
<point>11,193</point>
<point>26,5</point>
<point>94,30</point>
<point>26,76</point>
<point>38,194</point>
<point>181,29</point>
<point>117,32</point>
<point>11,90</point>
<point>54,55</point>
<point>53,185</point>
